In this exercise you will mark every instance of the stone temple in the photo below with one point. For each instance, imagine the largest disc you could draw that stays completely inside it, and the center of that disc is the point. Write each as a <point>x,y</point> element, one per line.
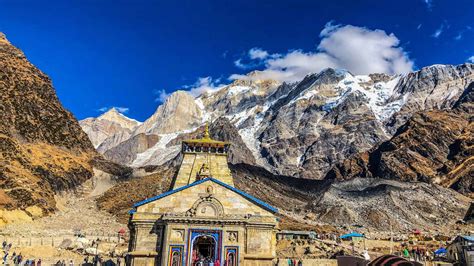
<point>203,219</point>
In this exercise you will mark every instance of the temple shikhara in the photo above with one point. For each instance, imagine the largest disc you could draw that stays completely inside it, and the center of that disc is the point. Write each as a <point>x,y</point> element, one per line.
<point>204,219</point>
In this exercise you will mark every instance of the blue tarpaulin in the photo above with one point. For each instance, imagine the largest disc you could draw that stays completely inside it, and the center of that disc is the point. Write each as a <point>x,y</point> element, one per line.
<point>440,251</point>
<point>353,234</point>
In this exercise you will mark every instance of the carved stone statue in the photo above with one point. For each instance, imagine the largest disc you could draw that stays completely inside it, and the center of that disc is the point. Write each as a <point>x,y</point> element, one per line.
<point>204,172</point>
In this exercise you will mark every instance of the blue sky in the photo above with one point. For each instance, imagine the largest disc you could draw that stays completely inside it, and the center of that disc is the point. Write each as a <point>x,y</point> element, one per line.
<point>128,54</point>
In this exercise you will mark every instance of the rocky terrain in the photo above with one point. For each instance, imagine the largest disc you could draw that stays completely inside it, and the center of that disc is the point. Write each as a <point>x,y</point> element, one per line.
<point>72,208</point>
<point>434,146</point>
<point>43,150</point>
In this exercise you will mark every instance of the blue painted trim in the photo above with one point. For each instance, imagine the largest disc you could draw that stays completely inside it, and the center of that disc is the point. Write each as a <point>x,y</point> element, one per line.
<point>236,253</point>
<point>179,247</point>
<point>201,231</point>
<point>240,192</point>
<point>245,195</point>
<point>469,238</point>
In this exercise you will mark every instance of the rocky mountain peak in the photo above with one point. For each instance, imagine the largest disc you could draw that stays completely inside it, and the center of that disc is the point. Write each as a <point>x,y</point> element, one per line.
<point>329,75</point>
<point>255,79</point>
<point>3,38</point>
<point>111,112</point>
<point>113,115</point>
<point>179,112</point>
<point>178,96</point>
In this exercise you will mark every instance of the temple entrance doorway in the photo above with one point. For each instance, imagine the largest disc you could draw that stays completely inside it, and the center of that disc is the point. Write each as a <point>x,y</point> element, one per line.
<point>204,250</point>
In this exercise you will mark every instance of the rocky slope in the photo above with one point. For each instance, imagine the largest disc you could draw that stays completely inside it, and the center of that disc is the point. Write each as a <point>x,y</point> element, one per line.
<point>127,151</point>
<point>434,87</point>
<point>42,147</point>
<point>432,146</point>
<point>304,128</point>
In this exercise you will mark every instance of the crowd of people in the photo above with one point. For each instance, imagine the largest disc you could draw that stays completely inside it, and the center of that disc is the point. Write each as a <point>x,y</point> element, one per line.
<point>417,254</point>
<point>200,260</point>
<point>98,260</point>
<point>9,256</point>
<point>290,261</point>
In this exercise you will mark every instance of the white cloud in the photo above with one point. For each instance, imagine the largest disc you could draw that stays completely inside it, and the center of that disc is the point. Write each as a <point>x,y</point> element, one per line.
<point>460,34</point>
<point>429,3</point>
<point>254,58</point>
<point>257,53</point>
<point>357,49</point>
<point>438,32</point>
<point>471,59</point>
<point>122,110</point>
<point>203,85</point>
<point>162,96</point>
<point>238,63</point>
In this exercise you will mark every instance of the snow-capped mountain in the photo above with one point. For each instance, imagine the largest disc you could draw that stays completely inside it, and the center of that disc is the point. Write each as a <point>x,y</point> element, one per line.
<point>299,129</point>
<point>110,124</point>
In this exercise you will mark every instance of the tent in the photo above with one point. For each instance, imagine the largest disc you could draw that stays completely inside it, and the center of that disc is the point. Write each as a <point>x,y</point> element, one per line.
<point>351,235</point>
<point>440,251</point>
<point>386,260</point>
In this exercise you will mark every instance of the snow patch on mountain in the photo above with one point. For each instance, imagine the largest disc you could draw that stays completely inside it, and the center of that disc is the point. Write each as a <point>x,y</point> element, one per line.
<point>377,94</point>
<point>159,153</point>
<point>234,90</point>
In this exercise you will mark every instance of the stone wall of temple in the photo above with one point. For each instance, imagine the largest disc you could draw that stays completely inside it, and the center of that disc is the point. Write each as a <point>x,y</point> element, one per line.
<point>192,163</point>
<point>182,201</point>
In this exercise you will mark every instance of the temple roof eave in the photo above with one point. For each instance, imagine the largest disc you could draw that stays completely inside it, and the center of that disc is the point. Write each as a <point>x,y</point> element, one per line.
<point>256,201</point>
<point>210,142</point>
<point>222,220</point>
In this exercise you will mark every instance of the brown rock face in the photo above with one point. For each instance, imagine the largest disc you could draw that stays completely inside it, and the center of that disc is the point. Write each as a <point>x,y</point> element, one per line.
<point>127,151</point>
<point>222,129</point>
<point>42,146</point>
<point>30,110</point>
<point>178,112</point>
<point>432,146</point>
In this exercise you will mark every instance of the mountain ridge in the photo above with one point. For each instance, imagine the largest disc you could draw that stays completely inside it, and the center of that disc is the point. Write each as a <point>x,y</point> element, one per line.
<point>302,129</point>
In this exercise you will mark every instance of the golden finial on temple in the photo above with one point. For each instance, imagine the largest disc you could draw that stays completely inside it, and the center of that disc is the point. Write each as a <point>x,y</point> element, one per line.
<point>206,131</point>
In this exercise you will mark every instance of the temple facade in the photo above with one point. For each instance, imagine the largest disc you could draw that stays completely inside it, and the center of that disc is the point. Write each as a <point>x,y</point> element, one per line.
<point>203,219</point>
